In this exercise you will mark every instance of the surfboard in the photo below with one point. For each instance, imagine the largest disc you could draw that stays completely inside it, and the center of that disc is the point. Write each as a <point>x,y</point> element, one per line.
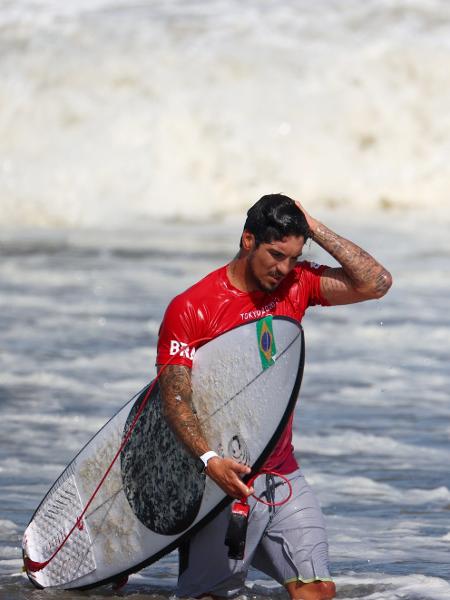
<point>92,528</point>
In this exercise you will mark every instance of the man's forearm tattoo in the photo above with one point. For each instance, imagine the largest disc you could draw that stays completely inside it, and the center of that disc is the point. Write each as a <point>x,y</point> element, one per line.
<point>176,398</point>
<point>360,267</point>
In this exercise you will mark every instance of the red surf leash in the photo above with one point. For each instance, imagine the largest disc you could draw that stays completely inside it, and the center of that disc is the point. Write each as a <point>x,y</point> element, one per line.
<point>236,534</point>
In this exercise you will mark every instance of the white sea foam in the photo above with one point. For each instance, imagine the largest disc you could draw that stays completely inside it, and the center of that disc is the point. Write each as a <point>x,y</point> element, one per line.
<point>364,541</point>
<point>66,422</point>
<point>7,526</point>
<point>336,488</point>
<point>374,587</point>
<point>9,551</point>
<point>13,564</point>
<point>352,442</point>
<point>13,465</point>
<point>388,587</point>
<point>116,112</point>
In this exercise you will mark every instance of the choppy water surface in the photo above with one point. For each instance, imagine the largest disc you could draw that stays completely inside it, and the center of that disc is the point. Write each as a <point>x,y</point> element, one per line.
<point>114,112</point>
<point>79,318</point>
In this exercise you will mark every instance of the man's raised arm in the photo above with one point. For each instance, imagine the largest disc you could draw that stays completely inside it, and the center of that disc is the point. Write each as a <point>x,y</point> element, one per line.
<point>360,277</point>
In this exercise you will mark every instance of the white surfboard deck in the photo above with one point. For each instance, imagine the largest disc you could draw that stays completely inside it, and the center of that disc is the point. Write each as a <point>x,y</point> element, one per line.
<point>154,496</point>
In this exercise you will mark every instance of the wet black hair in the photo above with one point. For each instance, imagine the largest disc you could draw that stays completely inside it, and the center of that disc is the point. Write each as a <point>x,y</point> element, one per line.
<point>274,217</point>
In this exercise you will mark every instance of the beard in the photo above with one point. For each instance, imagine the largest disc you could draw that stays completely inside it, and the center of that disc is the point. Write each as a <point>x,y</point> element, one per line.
<point>267,287</point>
<point>263,286</point>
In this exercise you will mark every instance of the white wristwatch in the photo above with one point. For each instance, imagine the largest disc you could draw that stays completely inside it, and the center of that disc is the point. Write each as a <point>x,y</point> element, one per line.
<point>205,457</point>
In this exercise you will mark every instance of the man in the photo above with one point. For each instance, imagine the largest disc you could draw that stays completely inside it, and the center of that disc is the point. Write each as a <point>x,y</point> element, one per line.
<point>288,543</point>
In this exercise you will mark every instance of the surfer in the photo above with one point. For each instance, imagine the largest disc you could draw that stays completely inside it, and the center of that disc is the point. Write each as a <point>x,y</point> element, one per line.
<point>288,543</point>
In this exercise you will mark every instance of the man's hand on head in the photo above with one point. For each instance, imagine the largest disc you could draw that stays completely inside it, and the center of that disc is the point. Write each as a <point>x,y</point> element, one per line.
<point>312,223</point>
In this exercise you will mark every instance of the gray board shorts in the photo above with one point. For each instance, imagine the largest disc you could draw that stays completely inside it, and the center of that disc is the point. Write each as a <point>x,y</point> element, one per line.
<point>287,543</point>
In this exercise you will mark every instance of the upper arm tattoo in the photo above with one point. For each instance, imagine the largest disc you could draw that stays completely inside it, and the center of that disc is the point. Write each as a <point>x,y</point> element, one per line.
<point>176,397</point>
<point>361,276</point>
<point>337,288</point>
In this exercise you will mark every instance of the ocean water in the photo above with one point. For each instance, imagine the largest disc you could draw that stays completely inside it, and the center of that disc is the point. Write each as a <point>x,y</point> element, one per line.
<point>133,136</point>
<point>80,312</point>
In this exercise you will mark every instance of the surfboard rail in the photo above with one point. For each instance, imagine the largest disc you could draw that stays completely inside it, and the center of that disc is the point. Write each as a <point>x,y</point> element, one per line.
<point>227,362</point>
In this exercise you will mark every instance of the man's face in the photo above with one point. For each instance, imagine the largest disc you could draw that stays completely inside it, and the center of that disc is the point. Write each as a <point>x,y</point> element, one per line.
<point>269,263</point>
